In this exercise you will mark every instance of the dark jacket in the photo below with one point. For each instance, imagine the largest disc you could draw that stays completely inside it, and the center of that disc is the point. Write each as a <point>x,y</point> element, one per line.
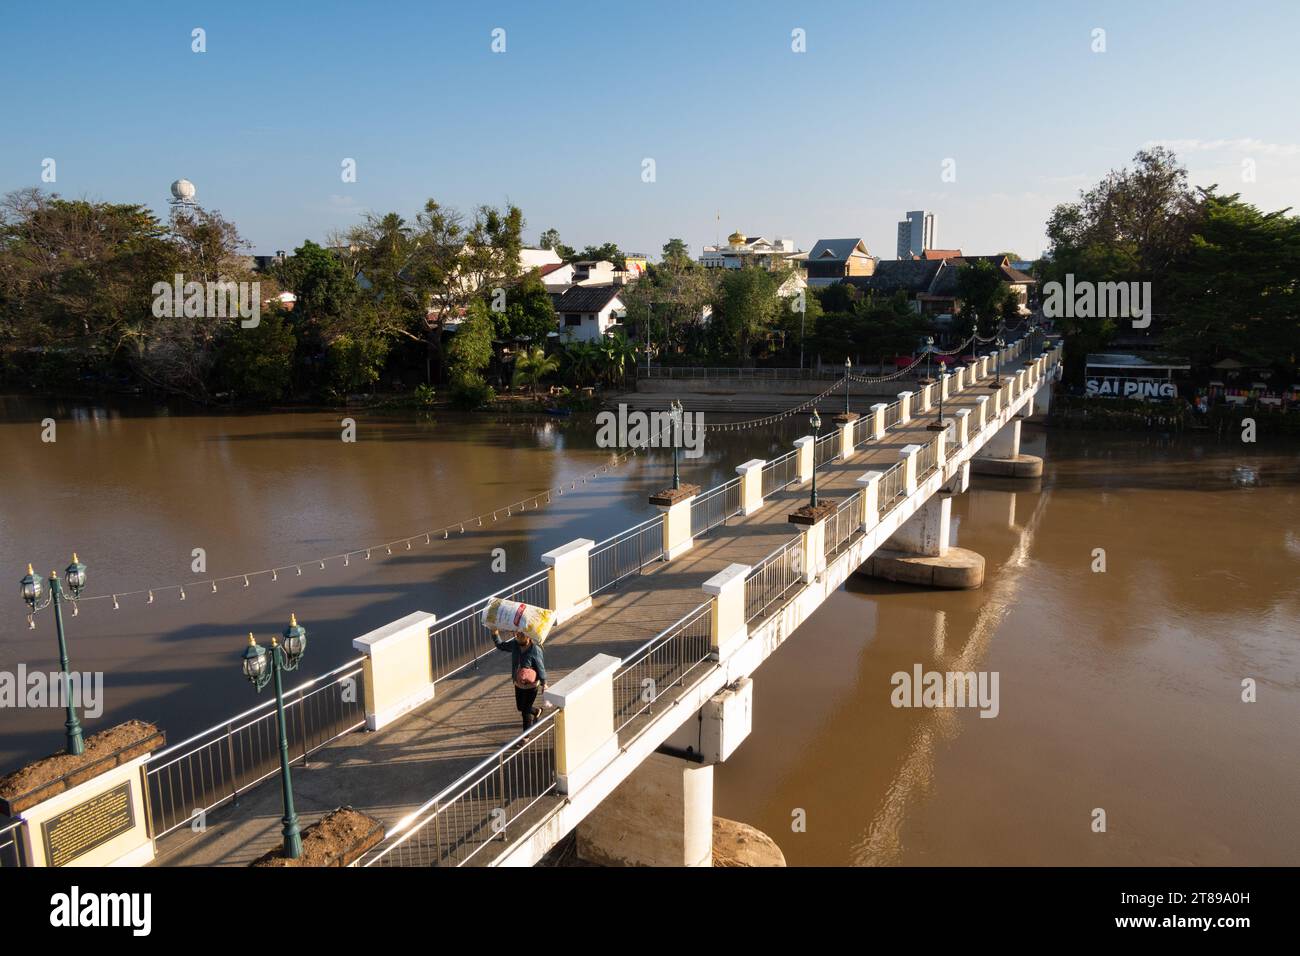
<point>530,656</point>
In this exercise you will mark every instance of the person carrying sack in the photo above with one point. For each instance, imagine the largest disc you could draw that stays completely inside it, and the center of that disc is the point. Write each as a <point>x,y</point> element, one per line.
<point>527,670</point>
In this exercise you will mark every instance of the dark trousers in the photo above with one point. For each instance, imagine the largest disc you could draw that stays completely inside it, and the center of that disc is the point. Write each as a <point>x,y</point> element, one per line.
<point>524,700</point>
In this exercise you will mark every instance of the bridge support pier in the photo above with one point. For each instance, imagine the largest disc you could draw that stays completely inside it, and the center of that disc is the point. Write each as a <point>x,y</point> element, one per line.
<point>1043,399</point>
<point>661,815</point>
<point>919,552</point>
<point>1001,456</point>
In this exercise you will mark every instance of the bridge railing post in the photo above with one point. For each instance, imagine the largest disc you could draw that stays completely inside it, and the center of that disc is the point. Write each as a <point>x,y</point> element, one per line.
<point>904,407</point>
<point>923,398</point>
<point>963,427</point>
<point>958,380</point>
<point>846,438</point>
<point>677,526</point>
<point>568,578</point>
<point>398,668</point>
<point>878,420</point>
<point>870,485</point>
<point>908,454</point>
<point>585,740</point>
<point>996,410</point>
<point>973,372</point>
<point>945,386</point>
<point>751,485</point>
<point>981,413</point>
<point>727,627</point>
<point>940,450</point>
<point>804,458</point>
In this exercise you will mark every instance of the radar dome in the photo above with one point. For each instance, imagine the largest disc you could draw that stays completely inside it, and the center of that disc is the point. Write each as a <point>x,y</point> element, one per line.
<point>183,189</point>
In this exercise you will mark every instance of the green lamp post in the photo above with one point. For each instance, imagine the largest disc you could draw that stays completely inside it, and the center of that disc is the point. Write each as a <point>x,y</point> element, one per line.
<point>848,367</point>
<point>676,413</point>
<point>75,575</point>
<point>260,667</point>
<point>816,422</point>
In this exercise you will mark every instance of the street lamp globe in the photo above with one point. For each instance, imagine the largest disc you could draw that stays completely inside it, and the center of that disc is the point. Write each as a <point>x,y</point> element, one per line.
<point>815,421</point>
<point>255,663</point>
<point>31,588</point>
<point>295,642</point>
<point>75,576</point>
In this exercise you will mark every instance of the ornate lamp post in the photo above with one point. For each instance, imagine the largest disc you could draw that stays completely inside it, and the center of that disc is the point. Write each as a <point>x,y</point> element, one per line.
<point>816,422</point>
<point>997,377</point>
<point>260,667</point>
<point>676,413</point>
<point>848,367</point>
<point>75,574</point>
<point>929,356</point>
<point>937,425</point>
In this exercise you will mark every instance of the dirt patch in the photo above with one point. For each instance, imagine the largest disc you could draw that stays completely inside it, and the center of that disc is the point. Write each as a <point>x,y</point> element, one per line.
<point>336,839</point>
<point>44,778</point>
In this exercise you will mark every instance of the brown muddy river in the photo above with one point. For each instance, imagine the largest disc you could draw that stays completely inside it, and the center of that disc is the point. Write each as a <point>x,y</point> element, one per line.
<point>1119,690</point>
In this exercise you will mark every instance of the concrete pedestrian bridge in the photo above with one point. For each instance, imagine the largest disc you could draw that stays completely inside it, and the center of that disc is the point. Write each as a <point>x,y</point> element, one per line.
<point>660,631</point>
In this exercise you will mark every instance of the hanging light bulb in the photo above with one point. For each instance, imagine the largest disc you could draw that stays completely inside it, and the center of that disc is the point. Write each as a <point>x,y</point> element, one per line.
<point>274,576</point>
<point>300,570</point>
<point>182,592</point>
<point>245,580</point>
<point>150,601</point>
<point>115,607</point>
<point>214,587</point>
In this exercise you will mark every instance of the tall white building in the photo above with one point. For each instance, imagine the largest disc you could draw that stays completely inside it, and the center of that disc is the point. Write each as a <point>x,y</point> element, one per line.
<point>915,234</point>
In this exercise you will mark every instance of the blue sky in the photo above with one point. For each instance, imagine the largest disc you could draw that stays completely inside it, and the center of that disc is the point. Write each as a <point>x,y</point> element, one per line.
<point>837,141</point>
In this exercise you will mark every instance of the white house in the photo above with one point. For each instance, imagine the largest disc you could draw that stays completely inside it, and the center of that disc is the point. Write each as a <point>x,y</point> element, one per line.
<point>741,250</point>
<point>586,313</point>
<point>530,259</point>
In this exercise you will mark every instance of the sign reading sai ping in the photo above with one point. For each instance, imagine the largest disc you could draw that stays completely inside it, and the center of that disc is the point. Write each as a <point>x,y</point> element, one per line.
<point>79,829</point>
<point>1132,388</point>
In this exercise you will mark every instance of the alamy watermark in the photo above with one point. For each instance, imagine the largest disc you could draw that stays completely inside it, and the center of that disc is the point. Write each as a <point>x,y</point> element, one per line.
<point>1098,300</point>
<point>630,428</point>
<point>946,689</point>
<point>223,299</point>
<point>23,688</point>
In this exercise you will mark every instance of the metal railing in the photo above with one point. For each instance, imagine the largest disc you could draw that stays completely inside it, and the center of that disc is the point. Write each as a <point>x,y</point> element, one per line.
<point>927,460</point>
<point>625,554</point>
<point>826,448</point>
<point>668,660</point>
<point>844,524</point>
<point>459,640</point>
<point>11,850</point>
<point>826,373</point>
<point>780,472</point>
<point>775,579</point>
<point>715,506</point>
<point>893,412</point>
<point>471,821</point>
<point>891,489</point>
<point>217,765</point>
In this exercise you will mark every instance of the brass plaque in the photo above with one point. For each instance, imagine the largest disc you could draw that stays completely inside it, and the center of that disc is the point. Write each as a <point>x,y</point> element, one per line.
<point>80,829</point>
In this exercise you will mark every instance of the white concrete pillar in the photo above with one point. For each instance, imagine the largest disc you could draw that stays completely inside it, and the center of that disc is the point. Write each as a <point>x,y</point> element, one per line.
<point>585,740</point>
<point>973,373</point>
<point>398,668</point>
<point>963,427</point>
<point>846,440</point>
<point>940,450</point>
<point>677,527</point>
<point>814,550</point>
<point>804,457</point>
<point>996,397</point>
<point>958,380</point>
<point>1004,444</point>
<point>924,398</point>
<point>568,578</point>
<point>751,485</point>
<point>878,420</point>
<point>870,485</point>
<point>727,628</point>
<point>1043,399</point>
<point>926,532</point>
<point>981,413</point>
<point>904,407</point>
<point>661,815</point>
<point>945,386</point>
<point>959,481</point>
<point>908,455</point>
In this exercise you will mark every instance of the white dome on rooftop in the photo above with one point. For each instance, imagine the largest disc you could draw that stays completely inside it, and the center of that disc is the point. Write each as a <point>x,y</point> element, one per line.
<point>183,189</point>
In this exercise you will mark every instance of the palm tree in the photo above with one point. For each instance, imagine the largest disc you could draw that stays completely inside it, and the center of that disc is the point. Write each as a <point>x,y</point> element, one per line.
<point>620,354</point>
<point>532,366</point>
<point>582,359</point>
